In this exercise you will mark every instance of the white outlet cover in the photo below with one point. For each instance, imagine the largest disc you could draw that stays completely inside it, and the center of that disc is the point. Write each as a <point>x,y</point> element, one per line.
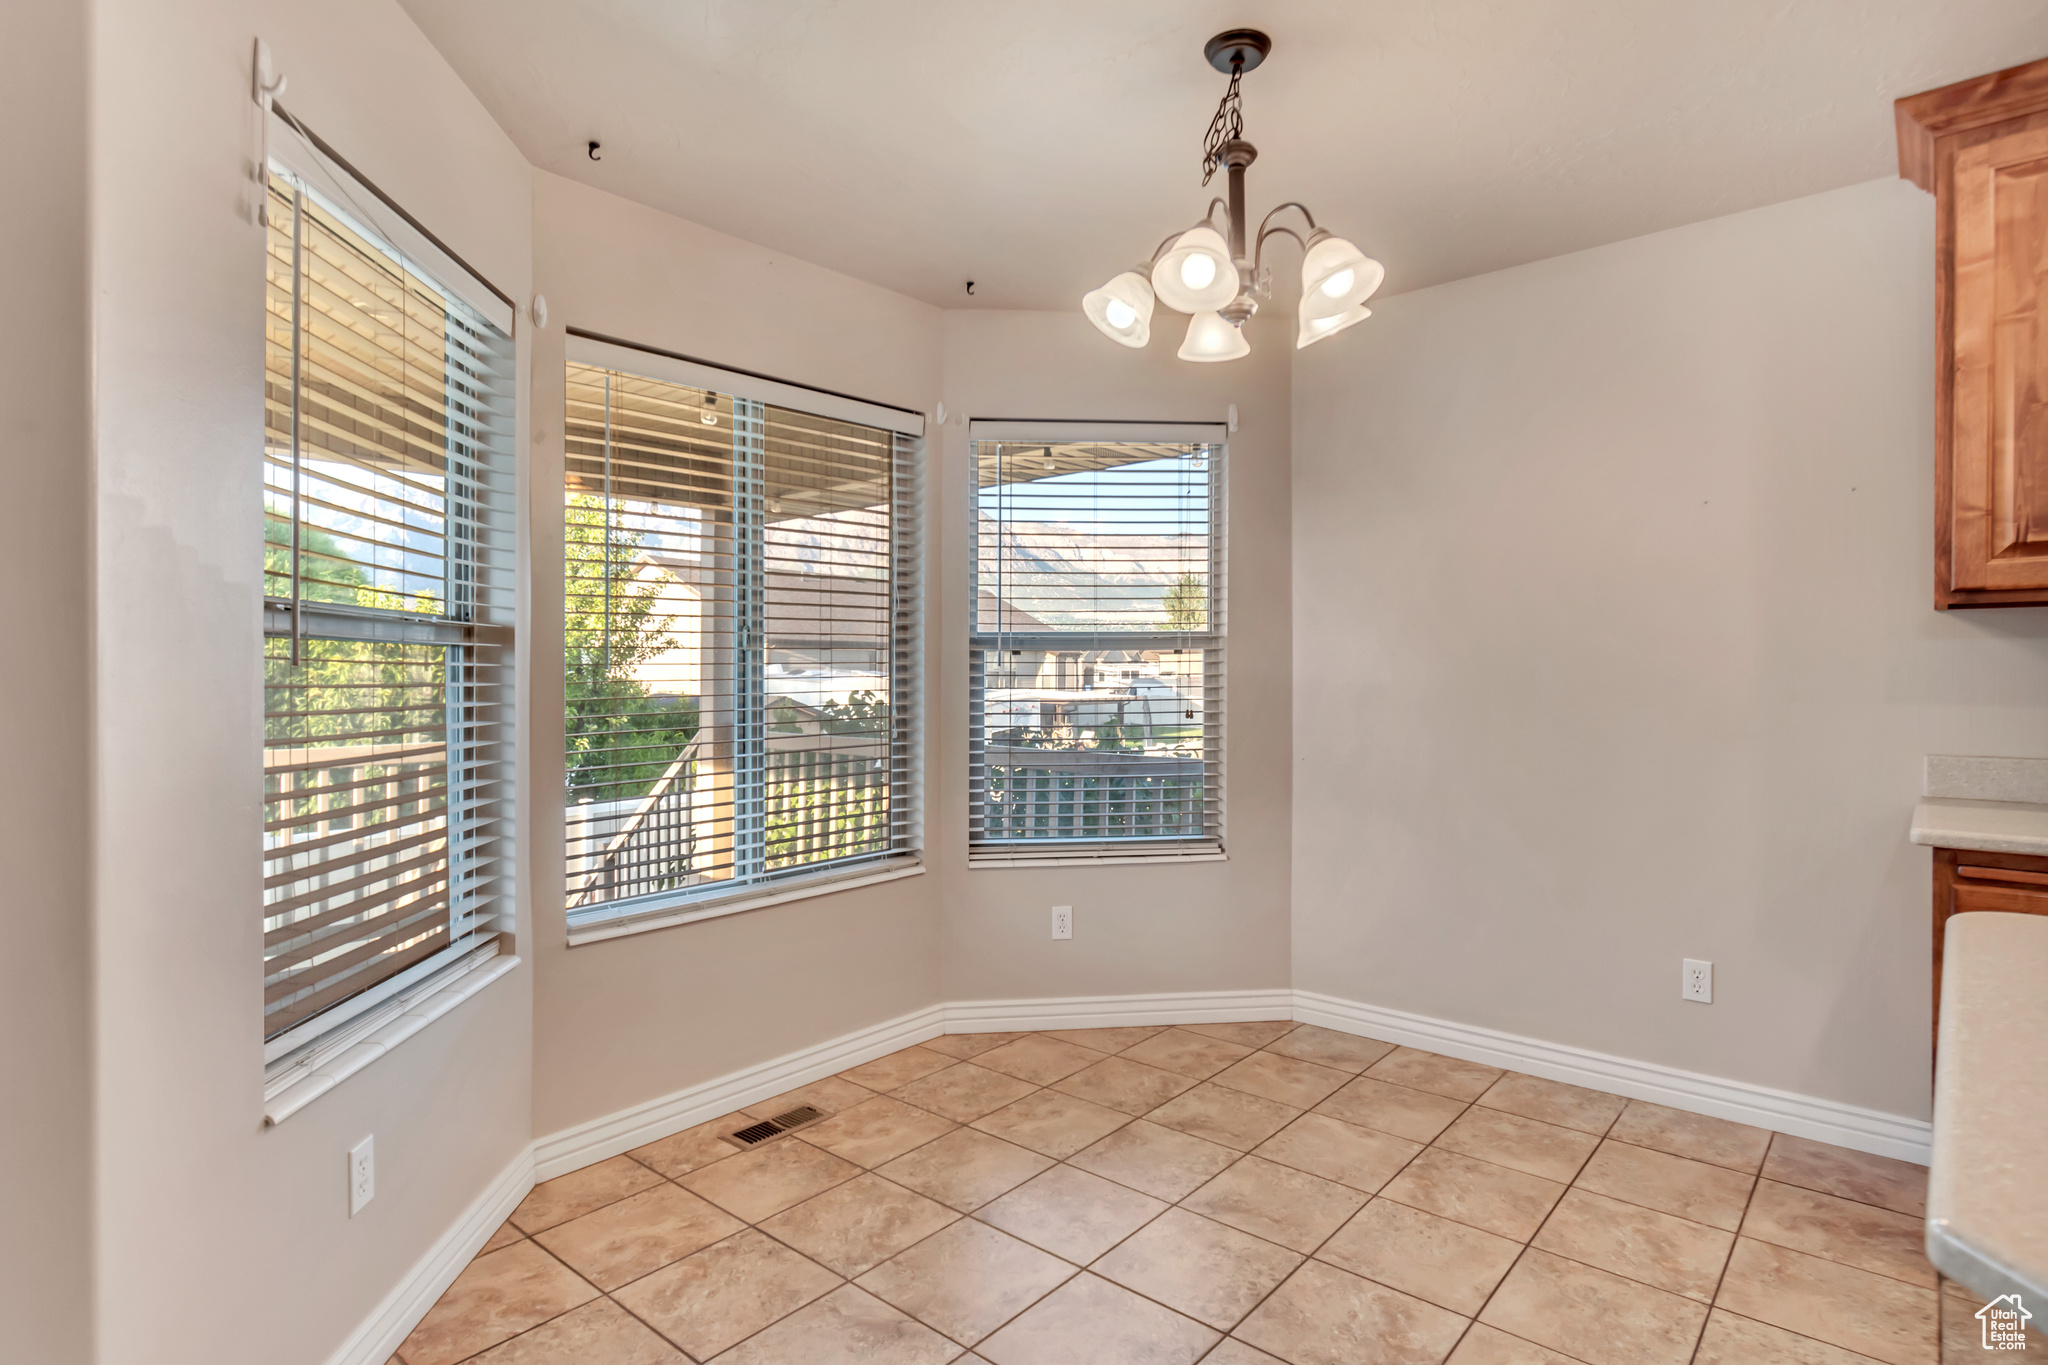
<point>1696,982</point>
<point>362,1175</point>
<point>1063,921</point>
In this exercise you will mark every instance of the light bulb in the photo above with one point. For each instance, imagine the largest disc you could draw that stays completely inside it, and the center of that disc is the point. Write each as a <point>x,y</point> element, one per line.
<point>1335,277</point>
<point>1122,309</point>
<point>1196,275</point>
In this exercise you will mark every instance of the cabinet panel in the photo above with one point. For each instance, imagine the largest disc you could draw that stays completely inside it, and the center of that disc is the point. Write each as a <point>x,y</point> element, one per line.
<point>1981,146</point>
<point>2000,441</point>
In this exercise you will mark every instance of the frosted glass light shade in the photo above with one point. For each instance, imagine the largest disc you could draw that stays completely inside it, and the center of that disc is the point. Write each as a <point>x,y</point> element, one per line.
<point>1210,337</point>
<point>1122,309</point>
<point>1315,330</point>
<point>1192,285</point>
<point>1335,277</point>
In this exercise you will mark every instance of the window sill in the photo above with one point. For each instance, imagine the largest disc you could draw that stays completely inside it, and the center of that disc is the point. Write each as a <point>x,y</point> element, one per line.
<point>646,921</point>
<point>296,1096</point>
<point>983,861</point>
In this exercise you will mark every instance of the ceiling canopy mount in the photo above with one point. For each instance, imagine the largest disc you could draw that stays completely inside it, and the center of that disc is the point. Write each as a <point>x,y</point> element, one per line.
<point>1237,51</point>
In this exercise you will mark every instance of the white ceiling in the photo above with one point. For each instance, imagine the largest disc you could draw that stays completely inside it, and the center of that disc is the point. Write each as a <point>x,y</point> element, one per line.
<point>1038,148</point>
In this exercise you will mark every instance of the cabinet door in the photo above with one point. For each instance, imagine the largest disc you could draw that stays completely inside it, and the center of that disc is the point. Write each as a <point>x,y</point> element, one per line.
<point>1999,470</point>
<point>2011,883</point>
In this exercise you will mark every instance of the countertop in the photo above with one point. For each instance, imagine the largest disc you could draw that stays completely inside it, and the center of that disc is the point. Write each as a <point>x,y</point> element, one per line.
<point>1986,826</point>
<point>1987,1189</point>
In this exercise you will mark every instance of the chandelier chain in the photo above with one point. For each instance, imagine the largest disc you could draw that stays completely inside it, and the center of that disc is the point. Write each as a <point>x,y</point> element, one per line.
<point>1227,126</point>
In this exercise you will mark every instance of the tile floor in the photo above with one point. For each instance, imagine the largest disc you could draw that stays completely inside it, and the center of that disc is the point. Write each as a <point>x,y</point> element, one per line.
<point>1237,1194</point>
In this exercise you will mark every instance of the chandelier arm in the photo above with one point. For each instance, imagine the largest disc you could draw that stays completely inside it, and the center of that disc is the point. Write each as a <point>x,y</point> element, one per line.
<point>1290,204</point>
<point>1266,232</point>
<point>1208,218</point>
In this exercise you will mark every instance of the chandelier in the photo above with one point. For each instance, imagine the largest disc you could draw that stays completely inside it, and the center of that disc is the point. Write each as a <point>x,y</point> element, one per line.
<point>1205,270</point>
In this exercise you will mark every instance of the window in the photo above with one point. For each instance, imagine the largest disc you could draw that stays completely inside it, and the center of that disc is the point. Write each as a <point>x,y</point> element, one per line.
<point>740,597</point>
<point>388,602</point>
<point>1096,654</point>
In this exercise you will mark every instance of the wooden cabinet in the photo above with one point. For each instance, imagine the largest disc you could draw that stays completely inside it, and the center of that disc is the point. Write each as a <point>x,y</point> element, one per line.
<point>1981,147</point>
<point>1963,881</point>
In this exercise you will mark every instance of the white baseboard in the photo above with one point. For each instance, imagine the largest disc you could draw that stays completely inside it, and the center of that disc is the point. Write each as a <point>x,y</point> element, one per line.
<point>374,1342</point>
<point>1111,1011</point>
<point>1845,1125</point>
<point>574,1148</point>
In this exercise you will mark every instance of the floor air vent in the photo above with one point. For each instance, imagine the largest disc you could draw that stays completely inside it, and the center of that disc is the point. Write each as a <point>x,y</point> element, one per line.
<point>754,1134</point>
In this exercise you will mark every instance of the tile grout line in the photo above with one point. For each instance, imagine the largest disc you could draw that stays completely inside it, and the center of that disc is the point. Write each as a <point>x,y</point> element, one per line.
<point>1467,1107</point>
<point>745,1226</point>
<point>552,1317</point>
<point>1087,1268</point>
<point>1714,1301</point>
<point>1226,1334</point>
<point>1079,1268</point>
<point>1170,1205</point>
<point>751,1226</point>
<point>1534,1233</point>
<point>1756,1183</point>
<point>1821,1341</point>
<point>960,1216</point>
<point>1246,1316</point>
<point>1605,1135</point>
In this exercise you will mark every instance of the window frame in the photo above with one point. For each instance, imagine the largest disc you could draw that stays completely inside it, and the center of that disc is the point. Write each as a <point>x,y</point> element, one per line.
<point>482,631</point>
<point>1212,847</point>
<point>909,621</point>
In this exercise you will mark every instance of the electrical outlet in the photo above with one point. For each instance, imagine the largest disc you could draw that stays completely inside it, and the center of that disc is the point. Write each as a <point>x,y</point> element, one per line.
<point>1698,981</point>
<point>362,1175</point>
<point>1063,921</point>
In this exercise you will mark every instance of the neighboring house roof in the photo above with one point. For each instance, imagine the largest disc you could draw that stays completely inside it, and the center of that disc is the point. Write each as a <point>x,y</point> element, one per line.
<point>993,616</point>
<point>847,610</point>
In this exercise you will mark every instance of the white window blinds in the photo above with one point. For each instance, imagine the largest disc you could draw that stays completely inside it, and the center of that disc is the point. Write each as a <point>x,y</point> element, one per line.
<point>741,604</point>
<point>1096,654</point>
<point>387,577</point>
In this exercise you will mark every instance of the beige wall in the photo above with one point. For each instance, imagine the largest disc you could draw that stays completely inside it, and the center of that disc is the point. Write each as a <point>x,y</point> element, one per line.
<point>1613,575</point>
<point>45,557</point>
<point>1617,648</point>
<point>220,1241</point>
<point>1149,928</point>
<point>625,1020</point>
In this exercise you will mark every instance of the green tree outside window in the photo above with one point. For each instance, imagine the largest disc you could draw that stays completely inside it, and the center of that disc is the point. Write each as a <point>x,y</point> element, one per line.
<point>622,738</point>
